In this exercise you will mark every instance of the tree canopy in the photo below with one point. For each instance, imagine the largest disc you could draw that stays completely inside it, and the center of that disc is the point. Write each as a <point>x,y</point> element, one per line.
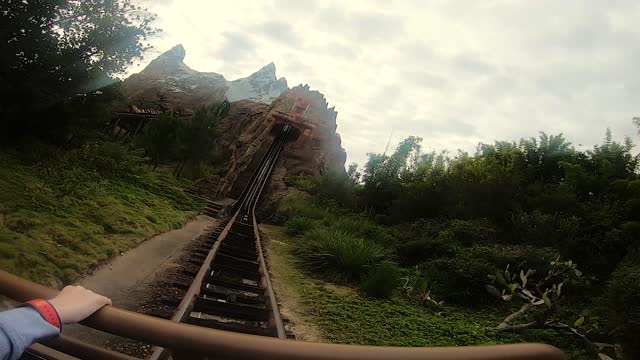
<point>53,50</point>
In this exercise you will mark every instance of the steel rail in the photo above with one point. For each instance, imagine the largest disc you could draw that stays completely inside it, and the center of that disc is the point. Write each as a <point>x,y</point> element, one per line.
<point>249,197</point>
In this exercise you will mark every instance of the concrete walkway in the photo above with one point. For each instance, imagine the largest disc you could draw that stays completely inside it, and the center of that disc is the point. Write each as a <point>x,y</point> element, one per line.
<point>124,279</point>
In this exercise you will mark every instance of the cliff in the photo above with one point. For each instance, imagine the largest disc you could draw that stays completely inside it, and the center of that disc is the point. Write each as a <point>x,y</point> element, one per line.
<point>260,105</point>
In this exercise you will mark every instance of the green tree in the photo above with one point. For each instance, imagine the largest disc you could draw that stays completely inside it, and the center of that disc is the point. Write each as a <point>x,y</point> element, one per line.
<point>54,50</point>
<point>160,138</point>
<point>196,137</point>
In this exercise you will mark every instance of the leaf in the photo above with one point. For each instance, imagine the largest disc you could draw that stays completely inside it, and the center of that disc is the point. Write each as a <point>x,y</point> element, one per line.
<point>579,322</point>
<point>500,279</point>
<point>546,300</point>
<point>523,277</point>
<point>577,272</point>
<point>560,288</point>
<point>507,297</point>
<point>493,291</point>
<point>536,303</point>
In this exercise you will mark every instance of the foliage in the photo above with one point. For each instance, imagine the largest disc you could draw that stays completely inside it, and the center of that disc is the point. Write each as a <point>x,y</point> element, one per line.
<point>160,138</point>
<point>622,296</point>
<point>190,142</point>
<point>71,210</point>
<point>383,281</point>
<point>541,297</point>
<point>345,316</point>
<point>56,50</point>
<point>460,277</point>
<point>338,256</point>
<point>298,225</point>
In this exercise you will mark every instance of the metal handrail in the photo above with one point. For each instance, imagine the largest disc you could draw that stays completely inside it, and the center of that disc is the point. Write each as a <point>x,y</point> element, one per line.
<point>228,345</point>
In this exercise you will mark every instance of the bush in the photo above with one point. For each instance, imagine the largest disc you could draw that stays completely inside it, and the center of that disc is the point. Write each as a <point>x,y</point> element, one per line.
<point>295,203</point>
<point>622,295</point>
<point>461,278</point>
<point>418,251</point>
<point>298,225</point>
<point>470,232</point>
<point>307,184</point>
<point>538,228</point>
<point>383,281</point>
<point>362,227</point>
<point>338,256</point>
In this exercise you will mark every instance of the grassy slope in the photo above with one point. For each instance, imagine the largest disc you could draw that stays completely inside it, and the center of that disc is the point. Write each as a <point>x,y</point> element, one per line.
<point>48,238</point>
<point>345,316</point>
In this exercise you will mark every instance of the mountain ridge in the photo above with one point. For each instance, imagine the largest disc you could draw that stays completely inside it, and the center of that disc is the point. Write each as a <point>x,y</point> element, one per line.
<point>168,77</point>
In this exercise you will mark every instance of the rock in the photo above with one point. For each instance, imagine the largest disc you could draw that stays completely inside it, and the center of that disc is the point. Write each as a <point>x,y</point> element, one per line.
<point>261,86</point>
<point>260,105</point>
<point>169,83</point>
<point>315,149</point>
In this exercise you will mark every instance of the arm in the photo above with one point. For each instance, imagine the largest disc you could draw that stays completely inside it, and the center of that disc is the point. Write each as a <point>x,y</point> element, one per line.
<point>21,327</point>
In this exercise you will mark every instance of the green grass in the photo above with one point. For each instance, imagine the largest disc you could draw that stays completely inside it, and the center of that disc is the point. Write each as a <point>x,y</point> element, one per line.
<point>53,237</point>
<point>344,315</point>
<point>338,255</point>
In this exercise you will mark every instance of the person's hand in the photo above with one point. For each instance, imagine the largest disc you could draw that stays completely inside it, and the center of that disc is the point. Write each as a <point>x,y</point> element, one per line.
<point>75,303</point>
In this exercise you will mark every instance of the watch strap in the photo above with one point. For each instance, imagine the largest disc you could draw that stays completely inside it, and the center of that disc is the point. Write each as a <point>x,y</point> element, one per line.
<point>46,310</point>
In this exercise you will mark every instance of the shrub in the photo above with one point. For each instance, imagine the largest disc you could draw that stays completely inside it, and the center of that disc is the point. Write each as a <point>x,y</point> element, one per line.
<point>298,225</point>
<point>470,232</point>
<point>362,227</point>
<point>307,184</point>
<point>538,228</point>
<point>622,295</point>
<point>418,251</point>
<point>294,203</point>
<point>461,278</point>
<point>383,281</point>
<point>338,256</point>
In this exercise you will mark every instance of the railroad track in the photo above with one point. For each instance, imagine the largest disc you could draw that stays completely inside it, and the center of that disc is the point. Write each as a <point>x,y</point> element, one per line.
<point>231,291</point>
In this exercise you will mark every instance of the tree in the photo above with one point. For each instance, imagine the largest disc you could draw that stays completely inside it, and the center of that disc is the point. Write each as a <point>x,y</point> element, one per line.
<point>54,50</point>
<point>160,138</point>
<point>196,138</point>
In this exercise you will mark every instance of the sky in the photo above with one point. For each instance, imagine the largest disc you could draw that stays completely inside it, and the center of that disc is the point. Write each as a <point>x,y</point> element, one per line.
<point>455,73</point>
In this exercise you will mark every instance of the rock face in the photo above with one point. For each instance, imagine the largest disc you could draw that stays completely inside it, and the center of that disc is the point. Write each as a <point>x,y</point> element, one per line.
<point>168,80</point>
<point>314,148</point>
<point>261,86</point>
<point>260,105</point>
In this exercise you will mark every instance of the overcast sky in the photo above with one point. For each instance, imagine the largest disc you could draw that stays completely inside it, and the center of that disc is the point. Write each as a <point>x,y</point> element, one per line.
<point>453,72</point>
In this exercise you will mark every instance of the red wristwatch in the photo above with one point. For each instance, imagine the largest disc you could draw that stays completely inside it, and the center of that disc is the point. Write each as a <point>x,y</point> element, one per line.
<point>47,311</point>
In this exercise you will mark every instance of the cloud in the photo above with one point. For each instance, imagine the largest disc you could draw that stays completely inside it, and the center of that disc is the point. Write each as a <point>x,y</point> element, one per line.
<point>453,72</point>
<point>279,31</point>
<point>236,46</point>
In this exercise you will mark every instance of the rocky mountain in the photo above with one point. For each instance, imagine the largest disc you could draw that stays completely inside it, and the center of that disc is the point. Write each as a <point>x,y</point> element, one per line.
<point>168,79</point>
<point>259,104</point>
<point>261,86</point>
